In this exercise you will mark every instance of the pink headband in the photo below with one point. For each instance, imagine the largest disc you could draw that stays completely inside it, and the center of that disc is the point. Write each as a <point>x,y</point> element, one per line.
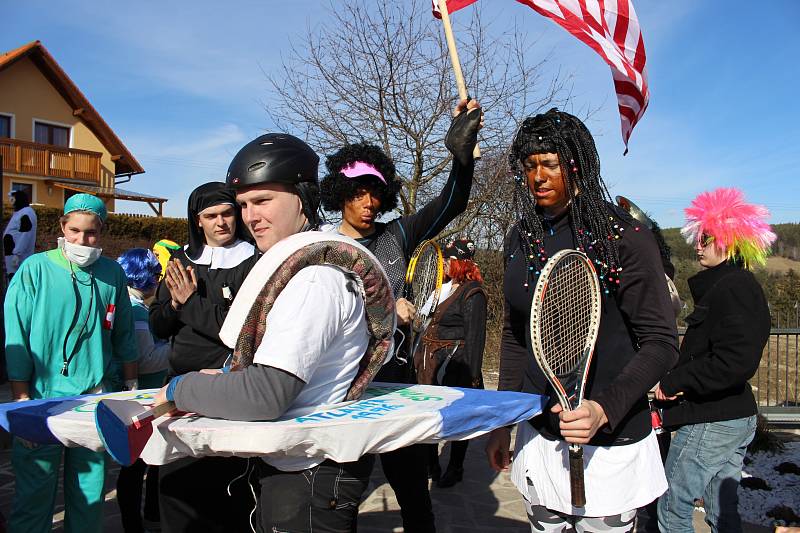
<point>360,168</point>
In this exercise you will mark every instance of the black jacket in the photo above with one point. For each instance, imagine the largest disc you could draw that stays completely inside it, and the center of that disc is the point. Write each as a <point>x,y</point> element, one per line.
<point>636,345</point>
<point>464,321</point>
<point>194,328</point>
<point>721,350</point>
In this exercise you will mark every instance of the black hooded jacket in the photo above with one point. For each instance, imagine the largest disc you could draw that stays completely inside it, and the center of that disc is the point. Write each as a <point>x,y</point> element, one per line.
<point>461,319</point>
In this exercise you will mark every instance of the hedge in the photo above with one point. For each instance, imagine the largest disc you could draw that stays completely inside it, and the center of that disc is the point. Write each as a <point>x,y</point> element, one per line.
<point>121,232</point>
<point>153,228</point>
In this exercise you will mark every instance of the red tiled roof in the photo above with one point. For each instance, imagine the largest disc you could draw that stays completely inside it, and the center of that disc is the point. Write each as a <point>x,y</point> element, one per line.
<point>38,54</point>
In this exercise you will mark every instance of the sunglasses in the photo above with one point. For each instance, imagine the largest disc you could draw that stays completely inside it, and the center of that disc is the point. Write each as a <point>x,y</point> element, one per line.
<point>706,239</point>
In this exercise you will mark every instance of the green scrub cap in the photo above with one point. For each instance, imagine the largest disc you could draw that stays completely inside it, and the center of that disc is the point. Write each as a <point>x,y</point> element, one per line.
<point>86,202</point>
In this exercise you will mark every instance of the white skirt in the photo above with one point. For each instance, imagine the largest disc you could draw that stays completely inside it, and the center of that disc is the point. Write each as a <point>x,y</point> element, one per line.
<point>617,478</point>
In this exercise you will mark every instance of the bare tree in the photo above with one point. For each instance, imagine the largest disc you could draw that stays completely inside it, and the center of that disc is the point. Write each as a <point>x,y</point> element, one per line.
<point>378,70</point>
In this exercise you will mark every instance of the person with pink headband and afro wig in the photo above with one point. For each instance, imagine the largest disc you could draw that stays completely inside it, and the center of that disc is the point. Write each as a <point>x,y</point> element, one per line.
<point>707,395</point>
<point>362,184</point>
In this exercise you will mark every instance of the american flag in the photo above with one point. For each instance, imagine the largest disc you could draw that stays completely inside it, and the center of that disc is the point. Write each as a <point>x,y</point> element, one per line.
<point>610,28</point>
<point>452,5</point>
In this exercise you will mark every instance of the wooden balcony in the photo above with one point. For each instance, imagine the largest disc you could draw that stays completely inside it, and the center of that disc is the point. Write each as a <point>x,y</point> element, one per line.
<point>45,160</point>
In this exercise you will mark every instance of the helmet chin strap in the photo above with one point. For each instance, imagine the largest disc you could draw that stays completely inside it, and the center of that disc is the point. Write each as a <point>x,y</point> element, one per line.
<point>309,200</point>
<point>305,225</point>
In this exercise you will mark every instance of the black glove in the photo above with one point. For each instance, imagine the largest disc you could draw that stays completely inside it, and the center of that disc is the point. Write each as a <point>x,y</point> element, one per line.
<point>462,136</point>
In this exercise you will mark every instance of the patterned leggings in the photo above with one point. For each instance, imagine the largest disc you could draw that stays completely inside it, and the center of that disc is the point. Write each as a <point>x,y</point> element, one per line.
<point>544,520</point>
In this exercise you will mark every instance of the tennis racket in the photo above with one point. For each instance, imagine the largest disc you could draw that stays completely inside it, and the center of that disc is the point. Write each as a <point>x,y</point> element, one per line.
<point>565,318</point>
<point>422,288</point>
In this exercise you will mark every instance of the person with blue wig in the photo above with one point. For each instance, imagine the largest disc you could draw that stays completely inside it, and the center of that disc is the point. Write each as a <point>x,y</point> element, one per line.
<point>143,271</point>
<point>69,331</point>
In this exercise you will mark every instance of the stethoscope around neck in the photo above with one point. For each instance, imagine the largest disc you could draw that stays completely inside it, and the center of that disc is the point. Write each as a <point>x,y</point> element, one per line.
<point>75,281</point>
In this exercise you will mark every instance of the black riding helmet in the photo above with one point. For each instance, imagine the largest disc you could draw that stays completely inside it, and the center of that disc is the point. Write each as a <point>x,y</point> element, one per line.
<point>279,158</point>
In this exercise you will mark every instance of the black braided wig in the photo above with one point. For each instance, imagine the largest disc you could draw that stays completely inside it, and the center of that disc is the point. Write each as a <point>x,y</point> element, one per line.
<point>664,250</point>
<point>593,227</point>
<point>336,188</point>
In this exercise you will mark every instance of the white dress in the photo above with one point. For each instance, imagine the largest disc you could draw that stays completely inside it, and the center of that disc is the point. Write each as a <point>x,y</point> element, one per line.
<point>617,478</point>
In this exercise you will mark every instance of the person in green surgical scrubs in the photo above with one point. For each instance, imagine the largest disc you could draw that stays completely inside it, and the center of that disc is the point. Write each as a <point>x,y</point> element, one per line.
<point>69,331</point>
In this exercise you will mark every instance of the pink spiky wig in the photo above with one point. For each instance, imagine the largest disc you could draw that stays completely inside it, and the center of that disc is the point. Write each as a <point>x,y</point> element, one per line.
<point>740,230</point>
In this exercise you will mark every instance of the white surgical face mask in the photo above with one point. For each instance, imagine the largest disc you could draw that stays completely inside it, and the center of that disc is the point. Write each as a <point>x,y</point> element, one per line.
<point>83,256</point>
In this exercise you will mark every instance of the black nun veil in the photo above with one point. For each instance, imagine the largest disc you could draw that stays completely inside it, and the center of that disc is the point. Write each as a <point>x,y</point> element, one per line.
<point>203,197</point>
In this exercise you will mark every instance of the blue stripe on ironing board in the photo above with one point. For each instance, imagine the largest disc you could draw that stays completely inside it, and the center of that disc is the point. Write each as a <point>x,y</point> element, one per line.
<point>484,410</point>
<point>28,420</point>
<point>114,434</point>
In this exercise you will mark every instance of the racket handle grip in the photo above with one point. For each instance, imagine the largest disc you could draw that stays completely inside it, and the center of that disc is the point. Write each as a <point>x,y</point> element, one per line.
<point>576,476</point>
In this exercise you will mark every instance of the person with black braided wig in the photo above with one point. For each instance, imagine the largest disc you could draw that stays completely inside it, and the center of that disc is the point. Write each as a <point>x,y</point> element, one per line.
<point>561,202</point>
<point>560,143</point>
<point>362,184</point>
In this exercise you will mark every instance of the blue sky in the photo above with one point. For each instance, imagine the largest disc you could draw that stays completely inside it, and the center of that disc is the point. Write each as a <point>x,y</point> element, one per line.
<point>183,84</point>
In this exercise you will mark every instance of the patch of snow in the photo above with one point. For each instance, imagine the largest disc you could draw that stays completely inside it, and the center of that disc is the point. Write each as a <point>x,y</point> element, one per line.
<point>754,504</point>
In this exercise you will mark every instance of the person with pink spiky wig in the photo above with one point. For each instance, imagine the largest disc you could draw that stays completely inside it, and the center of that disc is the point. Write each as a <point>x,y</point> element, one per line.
<point>708,396</point>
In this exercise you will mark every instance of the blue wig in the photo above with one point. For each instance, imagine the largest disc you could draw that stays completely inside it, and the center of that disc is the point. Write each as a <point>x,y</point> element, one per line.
<point>142,268</point>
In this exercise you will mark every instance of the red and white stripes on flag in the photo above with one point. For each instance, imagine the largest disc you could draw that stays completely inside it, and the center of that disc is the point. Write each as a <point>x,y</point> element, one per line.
<point>452,5</point>
<point>610,28</point>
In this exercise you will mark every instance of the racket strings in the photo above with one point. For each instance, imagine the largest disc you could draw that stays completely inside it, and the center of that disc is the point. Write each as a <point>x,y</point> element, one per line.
<point>424,283</point>
<point>566,317</point>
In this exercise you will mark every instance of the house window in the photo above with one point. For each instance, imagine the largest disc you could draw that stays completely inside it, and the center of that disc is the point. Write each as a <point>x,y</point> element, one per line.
<point>51,134</point>
<point>5,126</point>
<point>27,188</point>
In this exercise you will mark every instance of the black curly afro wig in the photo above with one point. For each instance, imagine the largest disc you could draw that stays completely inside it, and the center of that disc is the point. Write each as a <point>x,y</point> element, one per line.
<point>336,188</point>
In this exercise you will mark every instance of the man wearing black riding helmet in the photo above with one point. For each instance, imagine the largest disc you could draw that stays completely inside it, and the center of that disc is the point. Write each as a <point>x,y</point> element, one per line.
<point>278,167</point>
<point>310,354</point>
<point>362,184</point>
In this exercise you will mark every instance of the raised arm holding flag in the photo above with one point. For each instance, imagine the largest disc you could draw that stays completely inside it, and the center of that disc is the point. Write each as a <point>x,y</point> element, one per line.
<point>441,10</point>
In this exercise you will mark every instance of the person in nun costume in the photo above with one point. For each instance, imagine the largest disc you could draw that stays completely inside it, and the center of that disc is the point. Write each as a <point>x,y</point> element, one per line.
<point>191,303</point>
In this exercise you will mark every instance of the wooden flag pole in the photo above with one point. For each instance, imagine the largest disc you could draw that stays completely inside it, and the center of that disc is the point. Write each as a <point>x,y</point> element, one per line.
<point>451,46</point>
